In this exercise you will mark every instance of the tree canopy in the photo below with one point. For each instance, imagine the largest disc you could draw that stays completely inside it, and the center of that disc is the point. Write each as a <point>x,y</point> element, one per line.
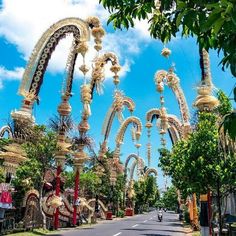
<point>213,22</point>
<point>146,192</point>
<point>40,153</point>
<point>169,198</point>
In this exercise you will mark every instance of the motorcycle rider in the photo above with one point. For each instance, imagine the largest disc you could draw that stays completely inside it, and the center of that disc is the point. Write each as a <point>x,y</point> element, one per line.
<point>160,215</point>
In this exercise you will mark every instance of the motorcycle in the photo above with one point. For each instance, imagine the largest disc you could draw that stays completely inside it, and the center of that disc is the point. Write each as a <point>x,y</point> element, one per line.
<point>160,216</point>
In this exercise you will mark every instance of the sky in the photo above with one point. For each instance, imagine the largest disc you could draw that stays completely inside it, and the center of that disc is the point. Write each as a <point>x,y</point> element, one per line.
<point>22,22</point>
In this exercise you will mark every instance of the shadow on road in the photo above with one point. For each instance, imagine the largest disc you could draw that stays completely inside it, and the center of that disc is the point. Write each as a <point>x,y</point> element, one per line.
<point>156,234</point>
<point>175,224</point>
<point>163,230</point>
<point>56,234</point>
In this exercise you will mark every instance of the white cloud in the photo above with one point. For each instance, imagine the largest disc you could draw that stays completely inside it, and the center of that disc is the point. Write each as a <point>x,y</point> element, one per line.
<point>15,74</point>
<point>24,21</point>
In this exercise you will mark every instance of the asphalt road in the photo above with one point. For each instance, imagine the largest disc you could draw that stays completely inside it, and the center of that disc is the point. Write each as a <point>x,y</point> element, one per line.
<point>139,225</point>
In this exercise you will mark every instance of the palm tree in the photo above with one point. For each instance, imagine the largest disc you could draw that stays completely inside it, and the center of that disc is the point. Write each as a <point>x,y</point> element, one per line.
<point>61,123</point>
<point>83,139</point>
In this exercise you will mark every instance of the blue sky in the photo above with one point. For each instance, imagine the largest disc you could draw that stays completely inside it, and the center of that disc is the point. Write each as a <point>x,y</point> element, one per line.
<point>22,22</point>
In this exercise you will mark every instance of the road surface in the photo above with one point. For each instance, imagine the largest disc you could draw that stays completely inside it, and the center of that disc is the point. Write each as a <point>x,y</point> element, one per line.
<point>139,225</point>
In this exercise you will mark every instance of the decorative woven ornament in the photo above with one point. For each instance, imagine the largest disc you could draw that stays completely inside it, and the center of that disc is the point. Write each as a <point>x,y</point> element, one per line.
<point>93,21</point>
<point>84,69</point>
<point>133,133</point>
<point>86,98</point>
<point>64,109</point>
<point>138,134</point>
<point>98,75</point>
<point>98,33</point>
<point>118,105</point>
<point>115,69</point>
<point>149,153</point>
<point>160,87</point>
<point>166,52</point>
<point>56,201</point>
<point>82,48</point>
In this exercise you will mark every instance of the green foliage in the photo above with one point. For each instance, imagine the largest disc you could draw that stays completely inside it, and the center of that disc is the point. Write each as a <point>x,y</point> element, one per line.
<point>90,182</point>
<point>2,176</point>
<point>225,106</point>
<point>197,164</point>
<point>120,213</point>
<point>146,192</point>
<point>29,174</point>
<point>40,153</point>
<point>117,193</point>
<point>69,179</point>
<point>152,192</point>
<point>212,22</point>
<point>4,142</point>
<point>186,215</point>
<point>199,156</point>
<point>43,147</point>
<point>229,119</point>
<point>164,160</point>
<point>229,124</point>
<point>140,194</point>
<point>234,93</point>
<point>169,198</point>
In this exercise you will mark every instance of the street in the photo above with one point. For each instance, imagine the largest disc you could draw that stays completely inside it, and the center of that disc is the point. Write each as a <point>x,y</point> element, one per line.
<point>143,225</point>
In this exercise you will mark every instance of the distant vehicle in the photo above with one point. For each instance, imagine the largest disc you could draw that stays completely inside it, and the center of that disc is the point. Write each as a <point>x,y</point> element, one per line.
<point>160,215</point>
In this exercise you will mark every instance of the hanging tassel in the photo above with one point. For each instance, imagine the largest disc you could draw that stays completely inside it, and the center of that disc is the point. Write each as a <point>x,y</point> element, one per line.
<point>99,87</point>
<point>133,133</point>
<point>86,98</point>
<point>106,121</point>
<point>120,116</point>
<point>149,153</point>
<point>87,109</point>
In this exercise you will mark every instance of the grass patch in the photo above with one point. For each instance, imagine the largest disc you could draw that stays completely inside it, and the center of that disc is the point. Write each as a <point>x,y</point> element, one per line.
<point>186,225</point>
<point>196,234</point>
<point>35,232</point>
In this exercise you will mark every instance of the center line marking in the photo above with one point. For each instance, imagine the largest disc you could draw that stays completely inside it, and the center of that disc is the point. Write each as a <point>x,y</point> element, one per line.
<point>117,234</point>
<point>134,225</point>
<point>145,221</point>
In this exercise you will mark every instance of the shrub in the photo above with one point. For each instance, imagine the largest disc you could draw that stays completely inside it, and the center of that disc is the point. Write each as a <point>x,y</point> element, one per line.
<point>120,213</point>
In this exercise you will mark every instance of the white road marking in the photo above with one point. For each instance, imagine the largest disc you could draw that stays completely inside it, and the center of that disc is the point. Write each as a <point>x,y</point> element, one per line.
<point>134,225</point>
<point>117,234</point>
<point>151,218</point>
<point>145,221</point>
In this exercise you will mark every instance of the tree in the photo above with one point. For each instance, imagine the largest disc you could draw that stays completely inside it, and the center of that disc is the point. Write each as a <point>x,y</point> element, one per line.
<point>3,142</point>
<point>152,193</point>
<point>213,22</point>
<point>228,122</point>
<point>2,176</point>
<point>90,182</point>
<point>117,192</point>
<point>169,198</point>
<point>140,195</point>
<point>40,152</point>
<point>199,164</point>
<point>146,192</point>
<point>164,160</point>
